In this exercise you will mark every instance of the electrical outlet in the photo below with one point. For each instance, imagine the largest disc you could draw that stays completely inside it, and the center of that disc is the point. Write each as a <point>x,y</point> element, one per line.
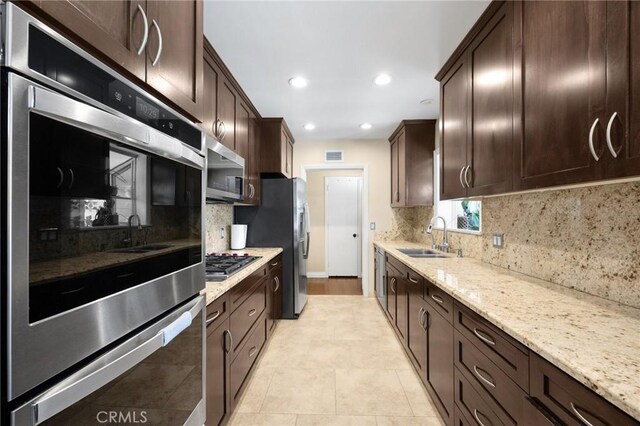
<point>372,226</point>
<point>222,232</point>
<point>498,241</point>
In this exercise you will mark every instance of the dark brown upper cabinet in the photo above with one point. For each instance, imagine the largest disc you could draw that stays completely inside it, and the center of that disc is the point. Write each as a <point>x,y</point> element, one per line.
<point>157,42</point>
<point>477,114</point>
<point>412,145</point>
<point>211,76</point>
<point>276,150</point>
<point>252,170</point>
<point>560,92</point>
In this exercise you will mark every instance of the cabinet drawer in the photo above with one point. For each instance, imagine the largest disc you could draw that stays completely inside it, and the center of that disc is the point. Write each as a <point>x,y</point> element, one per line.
<point>506,353</point>
<point>474,406</point>
<point>460,418</point>
<point>240,292</point>
<point>275,262</point>
<point>217,312</point>
<point>569,400</point>
<point>247,355</point>
<point>478,368</point>
<point>440,300</point>
<point>401,267</point>
<point>243,318</point>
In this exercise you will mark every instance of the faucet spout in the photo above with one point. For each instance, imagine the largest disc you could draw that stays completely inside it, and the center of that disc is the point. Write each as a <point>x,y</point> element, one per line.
<point>445,239</point>
<point>129,240</point>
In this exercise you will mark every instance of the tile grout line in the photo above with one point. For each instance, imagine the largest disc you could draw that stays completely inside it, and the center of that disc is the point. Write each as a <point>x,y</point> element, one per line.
<point>404,391</point>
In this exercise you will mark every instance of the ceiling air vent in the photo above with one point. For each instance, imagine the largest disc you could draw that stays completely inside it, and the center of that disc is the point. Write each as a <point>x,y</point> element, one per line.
<point>333,156</point>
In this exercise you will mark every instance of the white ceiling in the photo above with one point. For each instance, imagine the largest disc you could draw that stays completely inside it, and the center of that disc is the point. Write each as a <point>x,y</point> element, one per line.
<point>339,47</point>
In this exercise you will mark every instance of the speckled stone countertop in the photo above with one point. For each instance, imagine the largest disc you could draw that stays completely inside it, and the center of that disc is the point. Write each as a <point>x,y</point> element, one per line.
<point>595,340</point>
<point>48,270</point>
<point>215,289</point>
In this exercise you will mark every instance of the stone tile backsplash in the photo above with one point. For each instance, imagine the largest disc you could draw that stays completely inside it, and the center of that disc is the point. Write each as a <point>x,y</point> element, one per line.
<point>582,238</point>
<point>217,216</point>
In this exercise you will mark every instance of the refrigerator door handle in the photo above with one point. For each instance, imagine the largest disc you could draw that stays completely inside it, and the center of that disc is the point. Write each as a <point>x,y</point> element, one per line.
<point>306,252</point>
<point>305,222</point>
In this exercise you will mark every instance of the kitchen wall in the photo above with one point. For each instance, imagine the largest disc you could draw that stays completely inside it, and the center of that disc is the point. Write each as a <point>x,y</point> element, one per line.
<point>217,216</point>
<point>316,198</point>
<point>376,155</point>
<point>584,238</point>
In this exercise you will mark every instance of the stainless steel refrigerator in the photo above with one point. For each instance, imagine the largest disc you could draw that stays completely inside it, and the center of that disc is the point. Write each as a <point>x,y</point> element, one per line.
<point>282,220</point>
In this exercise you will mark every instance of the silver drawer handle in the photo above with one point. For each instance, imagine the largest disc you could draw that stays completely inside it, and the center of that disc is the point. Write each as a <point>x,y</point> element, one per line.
<point>145,37</point>
<point>613,152</point>
<point>157,58</point>
<point>437,299</point>
<point>252,351</point>
<point>213,318</point>
<point>484,379</point>
<point>222,132</point>
<point>591,148</point>
<point>412,280</point>
<point>475,414</point>
<point>274,264</point>
<point>423,319</point>
<point>252,312</point>
<point>580,416</point>
<point>393,281</point>
<point>228,333</point>
<point>483,338</point>
<point>277,282</point>
<point>466,177</point>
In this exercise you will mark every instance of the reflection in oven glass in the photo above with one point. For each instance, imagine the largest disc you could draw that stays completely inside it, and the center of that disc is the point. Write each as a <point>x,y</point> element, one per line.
<point>162,390</point>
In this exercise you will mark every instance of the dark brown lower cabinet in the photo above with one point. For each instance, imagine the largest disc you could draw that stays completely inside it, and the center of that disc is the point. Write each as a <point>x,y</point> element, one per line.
<point>439,363</point>
<point>247,355</point>
<point>218,359</point>
<point>274,297</point>
<point>471,403</point>
<point>417,328</point>
<point>392,284</point>
<point>402,308</point>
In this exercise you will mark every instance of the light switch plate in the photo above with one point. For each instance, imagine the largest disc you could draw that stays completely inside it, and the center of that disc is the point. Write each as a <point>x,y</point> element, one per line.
<point>498,241</point>
<point>372,226</point>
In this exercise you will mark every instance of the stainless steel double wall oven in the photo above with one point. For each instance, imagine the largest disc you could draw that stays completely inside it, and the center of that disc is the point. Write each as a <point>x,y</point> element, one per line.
<point>102,253</point>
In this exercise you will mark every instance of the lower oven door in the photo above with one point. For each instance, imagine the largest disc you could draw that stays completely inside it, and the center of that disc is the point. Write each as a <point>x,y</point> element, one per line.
<point>155,377</point>
<point>104,231</point>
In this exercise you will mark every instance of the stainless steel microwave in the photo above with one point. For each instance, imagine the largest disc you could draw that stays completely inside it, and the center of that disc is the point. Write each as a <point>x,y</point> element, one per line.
<point>225,173</point>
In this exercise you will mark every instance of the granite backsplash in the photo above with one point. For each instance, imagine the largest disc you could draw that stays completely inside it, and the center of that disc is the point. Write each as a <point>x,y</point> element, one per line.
<point>583,238</point>
<point>217,216</point>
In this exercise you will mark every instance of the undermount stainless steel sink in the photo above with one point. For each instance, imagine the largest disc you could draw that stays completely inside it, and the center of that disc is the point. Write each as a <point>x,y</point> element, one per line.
<point>421,253</point>
<point>143,249</point>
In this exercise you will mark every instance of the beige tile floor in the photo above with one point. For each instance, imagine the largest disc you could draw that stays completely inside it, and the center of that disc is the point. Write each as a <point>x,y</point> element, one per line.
<point>339,364</point>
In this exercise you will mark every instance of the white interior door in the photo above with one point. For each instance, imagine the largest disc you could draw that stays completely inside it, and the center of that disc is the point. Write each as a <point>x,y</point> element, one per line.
<point>342,222</point>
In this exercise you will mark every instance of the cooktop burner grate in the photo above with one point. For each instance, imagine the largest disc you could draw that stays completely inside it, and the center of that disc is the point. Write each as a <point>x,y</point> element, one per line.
<point>220,267</point>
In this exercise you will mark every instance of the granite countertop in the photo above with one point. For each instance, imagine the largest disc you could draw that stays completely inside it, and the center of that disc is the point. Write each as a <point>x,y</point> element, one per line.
<point>215,289</point>
<point>595,340</point>
<point>49,270</point>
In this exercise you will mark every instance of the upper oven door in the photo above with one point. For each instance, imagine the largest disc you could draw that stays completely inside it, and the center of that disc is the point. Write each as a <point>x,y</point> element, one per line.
<point>104,229</point>
<point>225,172</point>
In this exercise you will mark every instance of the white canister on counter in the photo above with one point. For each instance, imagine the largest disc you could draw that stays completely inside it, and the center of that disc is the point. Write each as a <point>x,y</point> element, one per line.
<point>238,237</point>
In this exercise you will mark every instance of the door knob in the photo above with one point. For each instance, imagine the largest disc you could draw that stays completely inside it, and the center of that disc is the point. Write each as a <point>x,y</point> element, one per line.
<point>355,235</point>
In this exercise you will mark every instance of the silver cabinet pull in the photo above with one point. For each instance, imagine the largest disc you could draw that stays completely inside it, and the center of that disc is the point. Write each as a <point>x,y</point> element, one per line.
<point>591,148</point>
<point>252,351</point>
<point>73,178</point>
<point>437,299</point>
<point>223,131</point>
<point>393,281</point>
<point>276,281</point>
<point>420,313</point>
<point>253,190</point>
<point>475,414</point>
<point>216,314</point>
<point>157,58</point>
<point>423,320</point>
<point>274,264</point>
<point>577,412</point>
<point>252,312</point>
<point>489,381</point>
<point>480,333</point>
<point>228,333</point>
<point>613,152</point>
<point>466,177</point>
<point>461,172</point>
<point>412,280</point>
<point>145,37</point>
<point>61,173</point>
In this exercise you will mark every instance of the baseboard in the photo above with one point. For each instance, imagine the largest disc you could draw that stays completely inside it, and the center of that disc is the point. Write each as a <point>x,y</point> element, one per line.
<point>317,275</point>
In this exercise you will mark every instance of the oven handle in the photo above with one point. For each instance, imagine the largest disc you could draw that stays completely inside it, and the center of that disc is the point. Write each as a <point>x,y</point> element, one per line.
<point>93,379</point>
<point>94,120</point>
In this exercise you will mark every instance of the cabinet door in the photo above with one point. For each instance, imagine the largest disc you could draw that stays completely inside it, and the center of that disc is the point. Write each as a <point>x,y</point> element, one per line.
<point>290,157</point>
<point>175,52</point>
<point>274,299</point>
<point>623,89</point>
<point>227,112</point>
<point>440,382</point>
<point>402,175</point>
<point>489,149</point>
<point>395,193</point>
<point>402,308</point>
<point>211,75</point>
<point>392,283</point>
<point>417,334</point>
<point>252,171</point>
<point>242,143</point>
<point>284,156</point>
<point>218,380</point>
<point>114,28</point>
<point>560,88</point>
<point>454,99</point>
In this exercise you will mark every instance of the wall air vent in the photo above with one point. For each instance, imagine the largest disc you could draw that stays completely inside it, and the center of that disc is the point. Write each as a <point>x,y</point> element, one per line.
<point>333,156</point>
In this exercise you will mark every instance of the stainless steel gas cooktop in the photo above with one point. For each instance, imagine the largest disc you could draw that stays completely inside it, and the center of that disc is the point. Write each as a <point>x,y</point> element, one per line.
<point>220,266</point>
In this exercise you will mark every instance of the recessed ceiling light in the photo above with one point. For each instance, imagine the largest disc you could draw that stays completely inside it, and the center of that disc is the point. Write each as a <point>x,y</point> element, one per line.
<point>298,82</point>
<point>382,79</point>
<point>365,126</point>
<point>426,101</point>
<point>309,126</point>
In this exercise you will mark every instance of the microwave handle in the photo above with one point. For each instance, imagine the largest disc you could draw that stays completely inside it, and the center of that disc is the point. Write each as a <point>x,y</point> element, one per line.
<point>94,378</point>
<point>97,121</point>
